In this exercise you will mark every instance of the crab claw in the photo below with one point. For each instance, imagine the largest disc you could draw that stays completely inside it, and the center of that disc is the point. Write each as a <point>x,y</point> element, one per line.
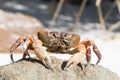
<point>76,58</point>
<point>41,53</point>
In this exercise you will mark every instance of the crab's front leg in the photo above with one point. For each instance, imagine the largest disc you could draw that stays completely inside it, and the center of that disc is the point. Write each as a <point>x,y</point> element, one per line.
<point>30,43</point>
<point>17,43</point>
<point>77,57</point>
<point>41,53</point>
<point>27,45</point>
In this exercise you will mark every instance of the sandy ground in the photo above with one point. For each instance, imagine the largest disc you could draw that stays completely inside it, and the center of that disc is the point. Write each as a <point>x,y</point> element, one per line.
<point>107,42</point>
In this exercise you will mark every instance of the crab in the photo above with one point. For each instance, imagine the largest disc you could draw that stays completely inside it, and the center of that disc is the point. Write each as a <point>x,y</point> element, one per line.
<point>62,42</point>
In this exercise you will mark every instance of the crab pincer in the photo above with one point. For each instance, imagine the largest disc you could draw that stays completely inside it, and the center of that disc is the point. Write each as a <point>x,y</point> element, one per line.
<point>41,53</point>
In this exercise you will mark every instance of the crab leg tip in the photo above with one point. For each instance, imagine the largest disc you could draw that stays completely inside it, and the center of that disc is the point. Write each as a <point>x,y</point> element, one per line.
<point>11,56</point>
<point>48,63</point>
<point>66,68</point>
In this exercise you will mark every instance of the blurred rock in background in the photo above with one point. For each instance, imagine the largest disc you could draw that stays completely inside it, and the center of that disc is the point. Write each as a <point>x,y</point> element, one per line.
<point>13,25</point>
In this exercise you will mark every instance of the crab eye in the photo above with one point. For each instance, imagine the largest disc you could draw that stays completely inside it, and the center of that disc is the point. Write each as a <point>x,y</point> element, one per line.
<point>63,35</point>
<point>55,34</point>
<point>67,35</point>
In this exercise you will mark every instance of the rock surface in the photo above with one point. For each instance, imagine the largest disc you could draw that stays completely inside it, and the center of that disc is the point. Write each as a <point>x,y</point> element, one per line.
<point>32,69</point>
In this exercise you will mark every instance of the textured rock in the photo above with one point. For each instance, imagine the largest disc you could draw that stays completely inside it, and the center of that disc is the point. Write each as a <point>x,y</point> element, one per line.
<point>32,69</point>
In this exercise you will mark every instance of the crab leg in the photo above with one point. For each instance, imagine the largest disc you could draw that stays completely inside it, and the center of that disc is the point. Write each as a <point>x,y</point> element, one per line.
<point>76,58</point>
<point>97,52</point>
<point>41,53</point>
<point>88,55</point>
<point>17,43</point>
<point>27,39</point>
<point>95,49</point>
<point>28,45</point>
<point>25,54</point>
<point>33,44</point>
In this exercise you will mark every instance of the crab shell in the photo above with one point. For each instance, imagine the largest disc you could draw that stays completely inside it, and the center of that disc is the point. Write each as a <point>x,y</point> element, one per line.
<point>58,41</point>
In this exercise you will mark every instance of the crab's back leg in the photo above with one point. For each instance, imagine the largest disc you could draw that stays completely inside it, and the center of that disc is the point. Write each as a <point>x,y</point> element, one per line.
<point>41,53</point>
<point>88,55</point>
<point>95,49</point>
<point>97,52</point>
<point>77,57</point>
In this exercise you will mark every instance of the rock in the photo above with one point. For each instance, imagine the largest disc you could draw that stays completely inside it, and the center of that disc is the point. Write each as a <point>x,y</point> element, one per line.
<point>33,69</point>
<point>18,20</point>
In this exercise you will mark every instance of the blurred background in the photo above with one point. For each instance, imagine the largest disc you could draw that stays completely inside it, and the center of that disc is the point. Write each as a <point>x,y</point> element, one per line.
<point>96,20</point>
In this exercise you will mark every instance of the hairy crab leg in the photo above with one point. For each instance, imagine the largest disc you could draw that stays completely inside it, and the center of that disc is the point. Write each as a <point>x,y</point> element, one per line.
<point>41,53</point>
<point>76,58</point>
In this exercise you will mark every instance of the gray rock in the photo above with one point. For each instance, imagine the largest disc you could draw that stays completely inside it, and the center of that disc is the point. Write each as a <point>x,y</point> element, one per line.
<point>33,69</point>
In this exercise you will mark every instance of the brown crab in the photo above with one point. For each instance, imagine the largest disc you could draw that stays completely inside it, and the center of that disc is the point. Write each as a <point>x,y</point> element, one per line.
<point>57,42</point>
